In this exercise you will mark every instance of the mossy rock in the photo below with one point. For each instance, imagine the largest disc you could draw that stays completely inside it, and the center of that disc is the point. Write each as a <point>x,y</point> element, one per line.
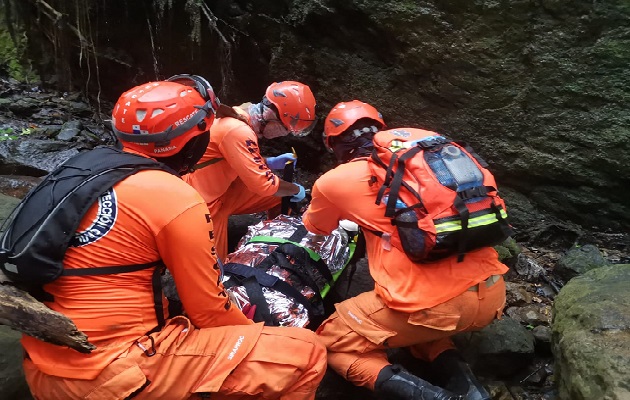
<point>591,335</point>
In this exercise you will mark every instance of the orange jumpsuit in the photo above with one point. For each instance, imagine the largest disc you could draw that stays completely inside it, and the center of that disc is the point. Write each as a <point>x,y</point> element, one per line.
<point>412,305</point>
<point>238,181</point>
<point>149,216</point>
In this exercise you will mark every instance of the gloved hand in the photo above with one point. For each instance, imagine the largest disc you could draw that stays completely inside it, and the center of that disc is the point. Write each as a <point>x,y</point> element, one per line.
<point>280,161</point>
<point>299,196</point>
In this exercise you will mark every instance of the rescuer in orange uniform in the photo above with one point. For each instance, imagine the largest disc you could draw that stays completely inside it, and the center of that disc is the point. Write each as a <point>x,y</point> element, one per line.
<point>232,177</point>
<point>215,348</point>
<point>412,305</point>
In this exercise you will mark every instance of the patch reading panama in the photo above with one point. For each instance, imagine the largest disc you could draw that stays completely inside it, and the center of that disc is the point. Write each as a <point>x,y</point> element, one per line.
<point>103,222</point>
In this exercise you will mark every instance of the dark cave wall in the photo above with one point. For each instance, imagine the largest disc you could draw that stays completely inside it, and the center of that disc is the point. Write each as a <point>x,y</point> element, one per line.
<point>539,88</point>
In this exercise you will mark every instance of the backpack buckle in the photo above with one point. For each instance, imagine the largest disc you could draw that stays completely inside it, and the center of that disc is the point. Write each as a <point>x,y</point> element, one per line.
<point>479,191</point>
<point>432,141</point>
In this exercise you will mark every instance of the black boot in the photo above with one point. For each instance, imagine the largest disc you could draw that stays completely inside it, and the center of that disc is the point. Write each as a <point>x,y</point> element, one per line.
<point>458,376</point>
<point>395,383</point>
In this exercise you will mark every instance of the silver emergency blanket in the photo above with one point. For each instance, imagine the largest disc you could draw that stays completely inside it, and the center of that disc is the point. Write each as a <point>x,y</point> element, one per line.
<point>253,248</point>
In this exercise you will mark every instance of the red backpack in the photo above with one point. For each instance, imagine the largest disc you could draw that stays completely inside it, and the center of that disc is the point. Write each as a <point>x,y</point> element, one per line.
<point>439,194</point>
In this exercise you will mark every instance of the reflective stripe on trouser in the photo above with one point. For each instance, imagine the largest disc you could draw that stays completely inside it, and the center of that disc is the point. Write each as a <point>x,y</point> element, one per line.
<point>283,363</point>
<point>238,199</point>
<point>363,327</point>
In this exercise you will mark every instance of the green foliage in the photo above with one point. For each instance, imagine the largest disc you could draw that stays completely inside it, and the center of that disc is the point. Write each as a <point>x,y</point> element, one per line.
<point>10,133</point>
<point>12,57</point>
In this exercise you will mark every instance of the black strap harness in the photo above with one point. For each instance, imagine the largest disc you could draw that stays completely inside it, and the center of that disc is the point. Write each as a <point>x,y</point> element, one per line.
<point>303,266</point>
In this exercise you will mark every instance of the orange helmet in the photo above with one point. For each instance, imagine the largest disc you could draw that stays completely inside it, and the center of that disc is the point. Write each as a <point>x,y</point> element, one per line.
<point>159,118</point>
<point>295,104</point>
<point>344,115</point>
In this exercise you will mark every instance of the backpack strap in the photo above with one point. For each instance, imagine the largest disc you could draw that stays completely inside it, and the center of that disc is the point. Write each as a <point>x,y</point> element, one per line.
<point>253,279</point>
<point>110,270</point>
<point>296,250</point>
<point>397,180</point>
<point>205,164</point>
<point>156,281</point>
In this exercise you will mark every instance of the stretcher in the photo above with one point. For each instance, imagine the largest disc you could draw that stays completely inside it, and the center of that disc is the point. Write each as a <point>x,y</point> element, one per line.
<point>280,273</point>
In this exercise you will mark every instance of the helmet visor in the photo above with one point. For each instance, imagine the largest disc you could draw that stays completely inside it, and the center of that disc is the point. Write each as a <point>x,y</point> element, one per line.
<point>295,131</point>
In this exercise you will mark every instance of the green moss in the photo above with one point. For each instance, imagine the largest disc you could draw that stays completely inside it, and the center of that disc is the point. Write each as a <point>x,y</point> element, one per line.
<point>13,59</point>
<point>613,49</point>
<point>508,249</point>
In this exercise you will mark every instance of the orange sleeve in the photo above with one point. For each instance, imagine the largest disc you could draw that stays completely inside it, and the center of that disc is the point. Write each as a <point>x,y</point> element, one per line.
<point>321,216</point>
<point>240,149</point>
<point>187,249</point>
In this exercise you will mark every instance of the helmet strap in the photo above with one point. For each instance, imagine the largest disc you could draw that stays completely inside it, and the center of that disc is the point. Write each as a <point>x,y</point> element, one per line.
<point>361,146</point>
<point>189,155</point>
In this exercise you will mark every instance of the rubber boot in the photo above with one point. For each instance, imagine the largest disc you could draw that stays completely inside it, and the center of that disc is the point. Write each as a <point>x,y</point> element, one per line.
<point>395,383</point>
<point>458,376</point>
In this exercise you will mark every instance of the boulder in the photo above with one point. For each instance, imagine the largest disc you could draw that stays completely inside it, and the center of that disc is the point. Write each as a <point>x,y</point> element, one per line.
<point>578,260</point>
<point>12,383</point>
<point>591,335</point>
<point>501,349</point>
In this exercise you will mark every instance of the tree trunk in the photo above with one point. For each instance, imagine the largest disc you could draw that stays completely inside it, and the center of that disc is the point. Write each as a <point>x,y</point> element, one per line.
<point>20,311</point>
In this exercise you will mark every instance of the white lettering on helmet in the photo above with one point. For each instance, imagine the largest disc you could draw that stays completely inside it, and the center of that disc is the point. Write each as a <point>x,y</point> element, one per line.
<point>159,150</point>
<point>186,118</point>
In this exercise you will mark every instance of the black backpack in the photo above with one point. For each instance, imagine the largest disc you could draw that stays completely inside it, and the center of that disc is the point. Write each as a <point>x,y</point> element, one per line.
<point>43,225</point>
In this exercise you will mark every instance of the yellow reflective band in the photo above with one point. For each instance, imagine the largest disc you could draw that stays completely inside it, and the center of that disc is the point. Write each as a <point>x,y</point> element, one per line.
<point>399,144</point>
<point>481,220</point>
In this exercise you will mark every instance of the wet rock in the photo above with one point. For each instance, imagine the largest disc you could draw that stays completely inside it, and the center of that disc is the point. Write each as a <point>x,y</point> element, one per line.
<point>546,290</point>
<point>539,374</point>
<point>499,391</point>
<point>17,186</point>
<point>12,383</point>
<point>501,349</point>
<point>517,294</point>
<point>69,130</point>
<point>542,334</point>
<point>24,106</point>
<point>528,268</point>
<point>7,204</point>
<point>578,260</point>
<point>591,335</point>
<point>532,314</point>
<point>33,156</point>
<point>48,116</point>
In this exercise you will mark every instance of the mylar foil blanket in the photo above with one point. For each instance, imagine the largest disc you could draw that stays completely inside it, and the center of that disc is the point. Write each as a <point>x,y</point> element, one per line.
<point>263,239</point>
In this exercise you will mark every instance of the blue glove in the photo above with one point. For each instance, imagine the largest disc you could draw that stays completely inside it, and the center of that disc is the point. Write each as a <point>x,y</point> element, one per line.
<point>299,196</point>
<point>280,161</point>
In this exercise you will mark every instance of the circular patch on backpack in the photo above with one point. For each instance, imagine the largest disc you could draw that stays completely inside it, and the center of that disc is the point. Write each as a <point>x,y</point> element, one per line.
<point>102,223</point>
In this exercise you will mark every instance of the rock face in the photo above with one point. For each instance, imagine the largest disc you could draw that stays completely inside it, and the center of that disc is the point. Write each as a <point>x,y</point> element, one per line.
<point>591,335</point>
<point>540,89</point>
<point>12,383</point>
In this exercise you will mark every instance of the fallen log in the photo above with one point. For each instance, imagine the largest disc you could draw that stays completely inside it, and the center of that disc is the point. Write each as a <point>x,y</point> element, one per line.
<point>22,312</point>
